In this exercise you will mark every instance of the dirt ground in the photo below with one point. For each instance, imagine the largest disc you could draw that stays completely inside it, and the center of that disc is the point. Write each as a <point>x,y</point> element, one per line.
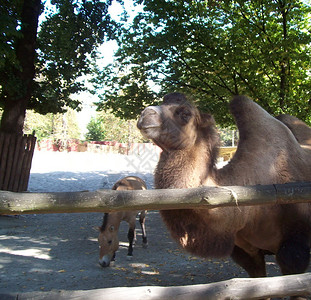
<point>55,252</point>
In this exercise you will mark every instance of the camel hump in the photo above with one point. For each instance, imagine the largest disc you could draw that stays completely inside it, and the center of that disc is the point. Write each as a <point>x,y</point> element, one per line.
<point>246,110</point>
<point>300,129</point>
<point>255,122</point>
<point>264,140</point>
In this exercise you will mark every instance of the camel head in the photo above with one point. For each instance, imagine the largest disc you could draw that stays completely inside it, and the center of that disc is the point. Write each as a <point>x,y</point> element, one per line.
<point>174,125</point>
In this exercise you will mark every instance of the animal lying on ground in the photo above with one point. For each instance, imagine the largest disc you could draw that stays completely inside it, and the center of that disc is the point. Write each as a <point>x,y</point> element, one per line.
<point>267,153</point>
<point>108,232</point>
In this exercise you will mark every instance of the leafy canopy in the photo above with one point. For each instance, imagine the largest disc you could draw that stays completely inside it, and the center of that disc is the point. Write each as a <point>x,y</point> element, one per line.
<point>67,42</point>
<point>213,50</point>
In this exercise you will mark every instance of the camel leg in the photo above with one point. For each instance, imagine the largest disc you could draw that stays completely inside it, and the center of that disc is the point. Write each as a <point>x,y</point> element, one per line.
<point>254,265</point>
<point>293,257</point>
<point>142,219</point>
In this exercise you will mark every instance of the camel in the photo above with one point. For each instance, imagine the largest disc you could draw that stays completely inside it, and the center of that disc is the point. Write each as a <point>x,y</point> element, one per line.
<point>108,232</point>
<point>267,153</point>
<point>301,130</point>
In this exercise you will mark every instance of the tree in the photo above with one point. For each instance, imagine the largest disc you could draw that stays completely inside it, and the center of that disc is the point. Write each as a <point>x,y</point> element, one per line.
<point>96,130</point>
<point>213,50</point>
<point>40,69</point>
<point>107,127</point>
<point>58,126</point>
<point>124,90</point>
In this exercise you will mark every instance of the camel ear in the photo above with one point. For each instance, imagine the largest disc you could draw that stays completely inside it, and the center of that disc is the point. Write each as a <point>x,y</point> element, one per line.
<point>207,120</point>
<point>96,228</point>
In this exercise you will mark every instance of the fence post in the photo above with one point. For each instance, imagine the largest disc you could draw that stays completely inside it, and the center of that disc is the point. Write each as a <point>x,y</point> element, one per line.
<point>16,152</point>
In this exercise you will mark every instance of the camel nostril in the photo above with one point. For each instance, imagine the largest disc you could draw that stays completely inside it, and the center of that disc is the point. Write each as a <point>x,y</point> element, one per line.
<point>109,242</point>
<point>152,110</point>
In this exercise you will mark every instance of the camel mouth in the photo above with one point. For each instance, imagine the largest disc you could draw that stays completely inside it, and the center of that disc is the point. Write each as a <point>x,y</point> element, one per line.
<point>149,131</point>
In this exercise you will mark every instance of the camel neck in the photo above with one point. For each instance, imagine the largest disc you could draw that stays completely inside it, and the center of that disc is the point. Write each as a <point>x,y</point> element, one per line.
<point>185,168</point>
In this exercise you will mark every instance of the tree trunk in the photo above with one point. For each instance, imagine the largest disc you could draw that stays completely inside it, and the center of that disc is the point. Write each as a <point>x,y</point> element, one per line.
<point>15,161</point>
<point>19,85</point>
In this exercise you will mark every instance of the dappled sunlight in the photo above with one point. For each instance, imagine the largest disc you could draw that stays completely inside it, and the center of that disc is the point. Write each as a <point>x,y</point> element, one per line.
<point>16,246</point>
<point>22,239</point>
<point>42,253</point>
<point>144,269</point>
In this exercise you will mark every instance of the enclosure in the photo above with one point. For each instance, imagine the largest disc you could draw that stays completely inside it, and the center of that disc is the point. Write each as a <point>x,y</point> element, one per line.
<point>57,252</point>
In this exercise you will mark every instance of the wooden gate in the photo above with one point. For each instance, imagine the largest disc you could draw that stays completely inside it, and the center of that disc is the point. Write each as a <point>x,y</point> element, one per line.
<point>16,152</point>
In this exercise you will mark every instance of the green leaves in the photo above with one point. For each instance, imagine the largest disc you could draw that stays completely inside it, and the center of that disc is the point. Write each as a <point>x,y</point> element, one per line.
<point>127,94</point>
<point>214,50</point>
<point>68,43</point>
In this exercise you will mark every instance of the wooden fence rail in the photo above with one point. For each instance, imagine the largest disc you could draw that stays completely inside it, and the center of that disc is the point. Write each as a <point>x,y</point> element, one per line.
<point>237,288</point>
<point>109,200</point>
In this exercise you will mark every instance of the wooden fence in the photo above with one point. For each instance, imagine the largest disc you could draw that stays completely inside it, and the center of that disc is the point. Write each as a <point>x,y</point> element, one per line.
<point>237,288</point>
<point>110,200</point>
<point>16,152</point>
<point>202,197</point>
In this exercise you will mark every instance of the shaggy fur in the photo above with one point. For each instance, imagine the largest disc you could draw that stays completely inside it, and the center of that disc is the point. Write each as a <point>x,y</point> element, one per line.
<point>268,153</point>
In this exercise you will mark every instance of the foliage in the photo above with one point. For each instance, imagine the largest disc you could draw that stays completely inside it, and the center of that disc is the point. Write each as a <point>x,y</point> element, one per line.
<point>107,127</point>
<point>213,50</point>
<point>68,42</point>
<point>95,129</point>
<point>228,137</point>
<point>125,93</point>
<point>41,68</point>
<point>58,126</point>
<point>8,25</point>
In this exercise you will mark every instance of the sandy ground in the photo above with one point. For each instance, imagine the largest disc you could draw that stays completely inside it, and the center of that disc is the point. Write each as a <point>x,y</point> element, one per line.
<point>56,252</point>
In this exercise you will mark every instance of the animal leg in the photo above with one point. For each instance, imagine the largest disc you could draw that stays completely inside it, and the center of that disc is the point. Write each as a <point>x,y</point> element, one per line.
<point>254,264</point>
<point>293,256</point>
<point>131,237</point>
<point>142,219</point>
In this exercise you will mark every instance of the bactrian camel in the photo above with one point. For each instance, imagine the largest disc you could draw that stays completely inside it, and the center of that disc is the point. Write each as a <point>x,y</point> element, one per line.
<point>267,153</point>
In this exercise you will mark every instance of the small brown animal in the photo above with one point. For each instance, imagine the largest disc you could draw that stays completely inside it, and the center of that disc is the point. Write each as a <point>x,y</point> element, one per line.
<point>267,153</point>
<point>108,232</point>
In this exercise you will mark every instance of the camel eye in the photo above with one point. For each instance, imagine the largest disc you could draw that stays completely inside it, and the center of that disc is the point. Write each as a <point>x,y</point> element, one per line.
<point>111,228</point>
<point>184,114</point>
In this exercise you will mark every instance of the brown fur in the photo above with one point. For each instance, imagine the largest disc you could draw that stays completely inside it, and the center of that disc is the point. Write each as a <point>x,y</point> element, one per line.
<point>108,232</point>
<point>268,153</point>
<point>301,130</point>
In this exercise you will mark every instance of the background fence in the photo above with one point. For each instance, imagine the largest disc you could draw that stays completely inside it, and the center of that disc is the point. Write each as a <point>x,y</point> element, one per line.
<point>16,152</point>
<point>75,145</point>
